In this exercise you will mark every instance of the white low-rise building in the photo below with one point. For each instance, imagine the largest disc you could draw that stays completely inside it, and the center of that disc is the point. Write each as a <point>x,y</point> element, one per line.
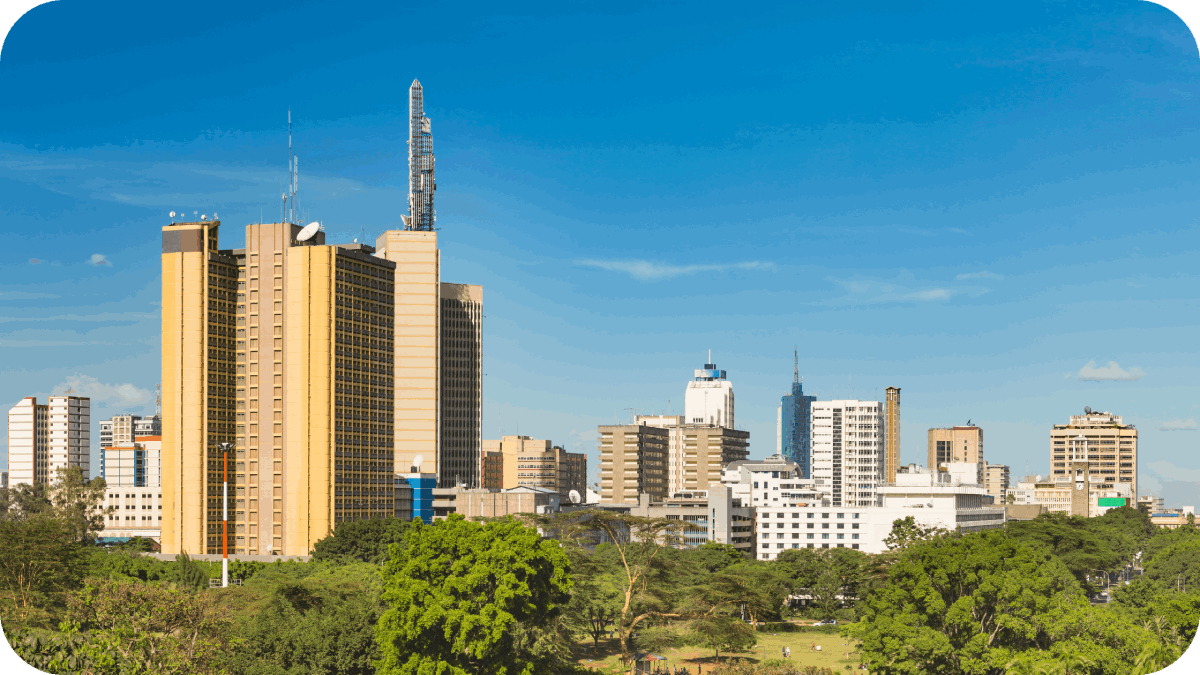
<point>953,501</point>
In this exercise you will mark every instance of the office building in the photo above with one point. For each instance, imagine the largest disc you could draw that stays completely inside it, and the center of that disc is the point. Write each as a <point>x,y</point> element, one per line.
<point>284,351</point>
<point>711,515</point>
<point>955,444</point>
<point>521,461</point>
<point>137,464</point>
<point>709,398</point>
<point>461,384</point>
<point>1064,497</point>
<point>472,503</point>
<point>933,499</point>
<point>776,480</point>
<point>1111,449</point>
<point>996,480</point>
<point>848,451</point>
<point>696,453</point>
<point>891,434</point>
<point>45,438</point>
<point>415,499</point>
<point>793,425</point>
<point>493,467</point>
<point>633,460</point>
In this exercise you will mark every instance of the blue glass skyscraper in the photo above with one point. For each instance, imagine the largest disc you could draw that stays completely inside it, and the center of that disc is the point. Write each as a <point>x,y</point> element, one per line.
<point>795,423</point>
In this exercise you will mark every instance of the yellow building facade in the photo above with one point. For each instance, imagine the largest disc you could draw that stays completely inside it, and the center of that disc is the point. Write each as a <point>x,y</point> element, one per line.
<point>283,350</point>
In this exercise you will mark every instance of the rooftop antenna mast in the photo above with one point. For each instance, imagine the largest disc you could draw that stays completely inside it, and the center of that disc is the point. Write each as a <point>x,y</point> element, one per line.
<point>158,400</point>
<point>421,184</point>
<point>795,365</point>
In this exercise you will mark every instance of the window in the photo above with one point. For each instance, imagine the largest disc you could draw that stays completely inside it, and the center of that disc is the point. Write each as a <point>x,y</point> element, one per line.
<point>810,536</point>
<point>854,546</point>
<point>854,526</point>
<point>854,536</point>
<point>812,515</point>
<point>824,526</point>
<point>824,515</point>
<point>841,515</point>
<point>855,515</point>
<point>811,525</point>
<point>824,536</point>
<point>841,536</point>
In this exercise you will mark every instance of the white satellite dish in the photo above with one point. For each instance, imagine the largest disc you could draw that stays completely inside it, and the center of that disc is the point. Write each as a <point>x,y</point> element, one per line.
<point>574,495</point>
<point>417,461</point>
<point>308,231</point>
<point>204,217</point>
<point>172,214</point>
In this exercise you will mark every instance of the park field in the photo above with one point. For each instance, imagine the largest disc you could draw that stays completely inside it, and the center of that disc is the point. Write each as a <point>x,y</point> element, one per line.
<point>836,653</point>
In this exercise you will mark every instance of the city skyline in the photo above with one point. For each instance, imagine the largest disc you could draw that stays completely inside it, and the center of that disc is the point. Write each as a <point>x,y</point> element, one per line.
<point>1007,247</point>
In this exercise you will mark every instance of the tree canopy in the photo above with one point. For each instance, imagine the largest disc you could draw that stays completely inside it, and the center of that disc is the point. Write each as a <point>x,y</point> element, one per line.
<point>459,595</point>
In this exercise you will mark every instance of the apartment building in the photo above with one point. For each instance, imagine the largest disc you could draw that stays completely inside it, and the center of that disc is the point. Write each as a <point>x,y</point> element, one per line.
<point>714,515</point>
<point>633,460</point>
<point>44,438</point>
<point>136,512</point>
<point>1109,448</point>
<point>849,445</point>
<point>124,429</point>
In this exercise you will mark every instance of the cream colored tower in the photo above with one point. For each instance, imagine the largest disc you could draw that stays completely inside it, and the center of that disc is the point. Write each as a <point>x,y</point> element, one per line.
<point>1112,449</point>
<point>891,435</point>
<point>417,365</point>
<point>198,330</point>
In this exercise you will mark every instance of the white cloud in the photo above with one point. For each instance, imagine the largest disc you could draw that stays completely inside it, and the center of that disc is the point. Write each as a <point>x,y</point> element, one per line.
<point>644,270</point>
<point>114,394</point>
<point>980,275</point>
<point>1179,425</point>
<point>99,260</point>
<point>34,261</point>
<point>1164,469</point>
<point>1110,373</point>
<point>955,229</point>
<point>932,294</point>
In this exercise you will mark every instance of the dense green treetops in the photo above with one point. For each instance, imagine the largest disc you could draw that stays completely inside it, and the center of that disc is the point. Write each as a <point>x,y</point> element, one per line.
<point>460,593</point>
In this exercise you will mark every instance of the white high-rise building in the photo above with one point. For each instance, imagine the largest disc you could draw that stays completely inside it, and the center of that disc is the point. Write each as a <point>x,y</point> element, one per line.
<point>42,438</point>
<point>848,451</point>
<point>709,398</point>
<point>27,443</point>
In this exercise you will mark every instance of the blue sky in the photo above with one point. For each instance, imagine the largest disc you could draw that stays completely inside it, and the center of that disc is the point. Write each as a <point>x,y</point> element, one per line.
<point>993,208</point>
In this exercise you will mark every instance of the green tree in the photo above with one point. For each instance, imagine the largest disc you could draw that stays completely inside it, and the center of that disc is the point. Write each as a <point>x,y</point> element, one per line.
<point>1071,539</point>
<point>40,562</point>
<point>907,531</point>
<point>639,546</point>
<point>78,503</point>
<point>826,594</point>
<point>322,624</point>
<point>757,588</point>
<point>722,632</point>
<point>596,597</point>
<point>460,593</point>
<point>962,604</point>
<point>365,540</point>
<point>188,573</point>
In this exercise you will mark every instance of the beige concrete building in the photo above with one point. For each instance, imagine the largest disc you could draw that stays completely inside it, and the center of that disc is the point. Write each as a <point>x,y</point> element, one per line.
<point>956,444</point>
<point>284,351</point>
<point>473,503</point>
<point>416,369</point>
<point>996,480</point>
<point>1111,449</point>
<point>521,461</point>
<point>1066,497</point>
<point>493,467</point>
<point>461,357</point>
<point>696,453</point>
<point>69,431</point>
<point>633,460</point>
<point>136,512</point>
<point>891,436</point>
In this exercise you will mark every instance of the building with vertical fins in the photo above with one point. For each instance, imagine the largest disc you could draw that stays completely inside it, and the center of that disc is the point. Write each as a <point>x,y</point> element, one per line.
<point>461,434</point>
<point>794,424</point>
<point>284,351</point>
<point>892,435</point>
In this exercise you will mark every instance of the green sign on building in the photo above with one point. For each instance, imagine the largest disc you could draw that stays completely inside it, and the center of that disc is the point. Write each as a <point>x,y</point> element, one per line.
<point>1110,501</point>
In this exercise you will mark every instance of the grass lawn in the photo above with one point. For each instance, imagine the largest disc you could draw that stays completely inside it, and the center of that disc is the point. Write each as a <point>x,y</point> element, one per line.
<point>833,654</point>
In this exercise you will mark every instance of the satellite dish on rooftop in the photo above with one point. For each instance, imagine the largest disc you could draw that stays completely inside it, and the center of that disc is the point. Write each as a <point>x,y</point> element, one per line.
<point>308,231</point>
<point>574,495</point>
<point>417,461</point>
<point>172,214</point>
<point>204,217</point>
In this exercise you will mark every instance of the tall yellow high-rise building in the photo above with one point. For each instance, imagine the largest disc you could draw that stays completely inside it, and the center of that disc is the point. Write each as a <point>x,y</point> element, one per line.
<point>891,434</point>
<point>284,350</point>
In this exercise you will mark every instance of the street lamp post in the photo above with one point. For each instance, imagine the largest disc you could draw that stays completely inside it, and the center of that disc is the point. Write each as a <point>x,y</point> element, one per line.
<point>224,515</point>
